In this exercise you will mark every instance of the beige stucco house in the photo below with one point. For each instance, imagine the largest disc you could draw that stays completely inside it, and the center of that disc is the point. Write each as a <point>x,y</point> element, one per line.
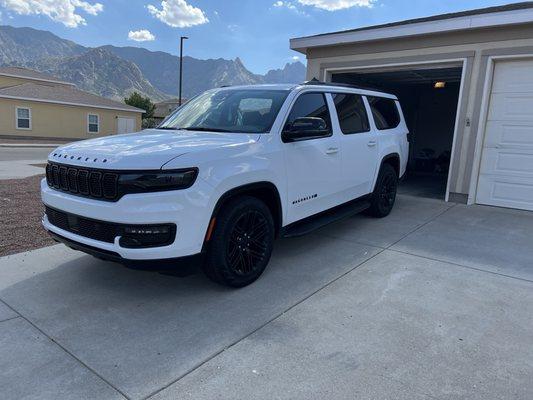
<point>465,81</point>
<point>37,105</point>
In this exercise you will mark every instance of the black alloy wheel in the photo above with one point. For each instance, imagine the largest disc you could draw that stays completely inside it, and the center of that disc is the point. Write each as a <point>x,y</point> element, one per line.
<point>384,196</point>
<point>241,243</point>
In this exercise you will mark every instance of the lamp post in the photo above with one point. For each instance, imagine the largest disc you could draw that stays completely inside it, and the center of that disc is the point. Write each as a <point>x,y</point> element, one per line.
<point>181,67</point>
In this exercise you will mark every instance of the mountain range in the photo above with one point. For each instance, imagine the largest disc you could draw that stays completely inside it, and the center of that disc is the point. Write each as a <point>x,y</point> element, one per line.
<point>116,72</point>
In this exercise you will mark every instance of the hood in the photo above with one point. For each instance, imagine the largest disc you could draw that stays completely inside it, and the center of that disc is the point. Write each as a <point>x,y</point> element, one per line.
<point>149,149</point>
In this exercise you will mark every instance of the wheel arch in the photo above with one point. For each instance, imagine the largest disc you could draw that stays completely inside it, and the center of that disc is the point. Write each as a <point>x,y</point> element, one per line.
<point>265,191</point>
<point>394,160</point>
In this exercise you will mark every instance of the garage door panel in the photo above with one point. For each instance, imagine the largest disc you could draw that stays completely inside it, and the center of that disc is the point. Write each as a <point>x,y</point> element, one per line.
<point>513,77</point>
<point>511,107</point>
<point>507,162</point>
<point>514,134</point>
<point>513,193</point>
<point>506,170</point>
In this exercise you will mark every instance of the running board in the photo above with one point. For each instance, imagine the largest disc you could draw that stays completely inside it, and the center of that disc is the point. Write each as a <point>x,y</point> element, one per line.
<point>310,224</point>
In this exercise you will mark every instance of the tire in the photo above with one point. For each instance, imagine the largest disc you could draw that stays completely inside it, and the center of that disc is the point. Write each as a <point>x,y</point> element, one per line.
<point>241,243</point>
<point>384,195</point>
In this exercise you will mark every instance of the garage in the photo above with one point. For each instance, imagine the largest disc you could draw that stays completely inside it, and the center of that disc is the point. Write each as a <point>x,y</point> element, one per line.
<point>465,82</point>
<point>429,95</point>
<point>506,172</point>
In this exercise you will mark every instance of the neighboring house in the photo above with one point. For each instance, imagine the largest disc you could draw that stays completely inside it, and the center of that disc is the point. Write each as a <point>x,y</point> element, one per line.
<point>33,104</point>
<point>164,108</point>
<point>465,81</point>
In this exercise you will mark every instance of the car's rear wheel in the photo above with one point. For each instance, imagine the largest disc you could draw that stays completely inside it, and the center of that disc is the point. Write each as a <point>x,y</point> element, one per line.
<point>384,195</point>
<point>241,243</point>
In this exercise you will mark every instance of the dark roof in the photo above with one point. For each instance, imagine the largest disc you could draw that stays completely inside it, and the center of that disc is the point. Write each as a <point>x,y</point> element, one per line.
<point>63,94</point>
<point>479,11</point>
<point>30,74</point>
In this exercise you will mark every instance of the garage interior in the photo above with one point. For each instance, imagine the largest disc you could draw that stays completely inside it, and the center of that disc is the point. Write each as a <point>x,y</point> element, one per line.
<point>429,97</point>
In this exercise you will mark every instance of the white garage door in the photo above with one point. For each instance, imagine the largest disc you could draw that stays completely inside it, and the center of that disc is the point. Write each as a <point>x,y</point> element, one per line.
<point>126,125</point>
<point>506,174</point>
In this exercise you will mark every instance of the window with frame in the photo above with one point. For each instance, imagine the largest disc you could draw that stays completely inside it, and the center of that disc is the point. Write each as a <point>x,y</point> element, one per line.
<point>23,118</point>
<point>93,121</point>
<point>351,113</point>
<point>385,112</point>
<point>310,105</point>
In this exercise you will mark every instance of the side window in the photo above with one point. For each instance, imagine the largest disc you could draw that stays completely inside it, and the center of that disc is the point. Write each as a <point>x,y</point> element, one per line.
<point>351,112</point>
<point>385,112</point>
<point>93,123</point>
<point>23,118</point>
<point>310,105</point>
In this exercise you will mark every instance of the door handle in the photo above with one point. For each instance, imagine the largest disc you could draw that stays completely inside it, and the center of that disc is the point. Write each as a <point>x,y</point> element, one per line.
<point>372,143</point>
<point>332,150</point>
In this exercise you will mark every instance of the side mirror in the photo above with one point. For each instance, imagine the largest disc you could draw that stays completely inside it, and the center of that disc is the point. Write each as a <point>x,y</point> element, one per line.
<point>305,128</point>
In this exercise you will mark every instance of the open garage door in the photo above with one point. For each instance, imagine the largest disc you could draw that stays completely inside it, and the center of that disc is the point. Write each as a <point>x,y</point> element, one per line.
<point>506,171</point>
<point>429,95</point>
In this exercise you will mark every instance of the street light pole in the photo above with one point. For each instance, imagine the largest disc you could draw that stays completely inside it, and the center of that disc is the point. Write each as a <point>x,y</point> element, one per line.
<point>181,66</point>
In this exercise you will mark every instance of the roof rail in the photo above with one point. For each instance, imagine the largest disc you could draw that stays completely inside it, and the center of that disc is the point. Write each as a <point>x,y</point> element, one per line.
<point>316,82</point>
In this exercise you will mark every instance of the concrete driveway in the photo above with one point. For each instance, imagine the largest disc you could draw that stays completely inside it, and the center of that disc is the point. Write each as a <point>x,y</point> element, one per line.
<point>433,302</point>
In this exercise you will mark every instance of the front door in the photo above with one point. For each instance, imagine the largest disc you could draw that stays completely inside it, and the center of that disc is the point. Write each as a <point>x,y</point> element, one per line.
<point>313,166</point>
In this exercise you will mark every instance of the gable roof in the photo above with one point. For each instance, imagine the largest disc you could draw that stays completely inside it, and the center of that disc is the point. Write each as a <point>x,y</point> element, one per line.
<point>479,18</point>
<point>19,72</point>
<point>66,95</point>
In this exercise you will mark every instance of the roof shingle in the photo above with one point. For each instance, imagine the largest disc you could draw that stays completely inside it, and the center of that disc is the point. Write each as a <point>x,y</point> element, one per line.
<point>63,94</point>
<point>30,74</point>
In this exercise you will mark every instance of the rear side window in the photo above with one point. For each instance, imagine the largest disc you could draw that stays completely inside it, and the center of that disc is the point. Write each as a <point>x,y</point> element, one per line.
<point>351,112</point>
<point>385,112</point>
<point>310,105</point>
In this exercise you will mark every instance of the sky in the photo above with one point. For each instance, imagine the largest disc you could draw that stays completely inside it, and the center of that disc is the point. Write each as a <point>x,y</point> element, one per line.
<point>257,31</point>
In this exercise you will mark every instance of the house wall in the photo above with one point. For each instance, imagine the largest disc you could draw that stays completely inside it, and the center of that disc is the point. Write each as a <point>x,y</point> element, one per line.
<point>474,47</point>
<point>60,121</point>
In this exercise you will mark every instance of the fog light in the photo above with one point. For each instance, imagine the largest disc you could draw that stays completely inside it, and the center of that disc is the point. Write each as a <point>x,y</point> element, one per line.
<point>143,236</point>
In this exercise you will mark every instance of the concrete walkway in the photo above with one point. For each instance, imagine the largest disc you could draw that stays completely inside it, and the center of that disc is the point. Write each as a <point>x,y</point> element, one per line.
<point>433,302</point>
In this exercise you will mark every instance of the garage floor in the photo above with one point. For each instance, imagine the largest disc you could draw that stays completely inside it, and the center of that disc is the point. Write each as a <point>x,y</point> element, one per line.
<point>433,302</point>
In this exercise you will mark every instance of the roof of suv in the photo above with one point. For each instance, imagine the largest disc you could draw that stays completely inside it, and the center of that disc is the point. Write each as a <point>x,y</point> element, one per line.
<point>324,86</point>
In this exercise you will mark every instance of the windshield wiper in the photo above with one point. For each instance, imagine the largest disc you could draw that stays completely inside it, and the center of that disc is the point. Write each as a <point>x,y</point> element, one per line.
<point>168,128</point>
<point>205,129</point>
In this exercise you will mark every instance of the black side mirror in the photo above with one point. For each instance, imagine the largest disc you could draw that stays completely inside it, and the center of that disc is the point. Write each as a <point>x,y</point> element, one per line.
<point>305,128</point>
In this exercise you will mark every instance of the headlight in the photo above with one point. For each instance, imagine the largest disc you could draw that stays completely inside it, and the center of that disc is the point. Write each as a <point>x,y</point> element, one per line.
<point>156,181</point>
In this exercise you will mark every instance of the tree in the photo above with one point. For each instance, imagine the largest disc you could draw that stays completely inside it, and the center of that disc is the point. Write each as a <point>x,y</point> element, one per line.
<point>144,103</point>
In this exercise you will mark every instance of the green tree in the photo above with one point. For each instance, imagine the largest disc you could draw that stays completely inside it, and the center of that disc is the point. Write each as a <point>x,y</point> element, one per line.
<point>144,103</point>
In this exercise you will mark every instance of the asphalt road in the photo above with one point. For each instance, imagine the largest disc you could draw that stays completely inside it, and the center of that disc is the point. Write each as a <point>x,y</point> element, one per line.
<point>26,153</point>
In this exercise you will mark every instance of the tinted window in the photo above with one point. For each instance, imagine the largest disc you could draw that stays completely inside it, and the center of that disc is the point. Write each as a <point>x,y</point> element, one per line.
<point>310,105</point>
<point>385,112</point>
<point>351,112</point>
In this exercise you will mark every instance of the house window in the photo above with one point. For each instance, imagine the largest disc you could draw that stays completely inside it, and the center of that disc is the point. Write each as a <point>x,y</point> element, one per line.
<point>23,118</point>
<point>93,123</point>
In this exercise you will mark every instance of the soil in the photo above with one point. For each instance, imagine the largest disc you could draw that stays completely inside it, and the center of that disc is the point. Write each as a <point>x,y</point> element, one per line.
<point>21,211</point>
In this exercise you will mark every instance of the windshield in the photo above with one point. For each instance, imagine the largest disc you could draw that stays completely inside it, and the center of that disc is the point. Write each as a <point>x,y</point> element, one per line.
<point>229,110</point>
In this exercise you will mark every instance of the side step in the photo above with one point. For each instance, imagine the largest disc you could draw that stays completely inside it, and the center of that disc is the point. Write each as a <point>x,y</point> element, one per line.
<point>327,217</point>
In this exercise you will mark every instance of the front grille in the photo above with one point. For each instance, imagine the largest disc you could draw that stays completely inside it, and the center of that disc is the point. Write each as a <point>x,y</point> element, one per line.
<point>107,231</point>
<point>96,184</point>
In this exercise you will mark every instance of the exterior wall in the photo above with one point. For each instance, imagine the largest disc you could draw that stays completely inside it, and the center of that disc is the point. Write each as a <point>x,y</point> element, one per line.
<point>6,81</point>
<point>60,121</point>
<point>473,47</point>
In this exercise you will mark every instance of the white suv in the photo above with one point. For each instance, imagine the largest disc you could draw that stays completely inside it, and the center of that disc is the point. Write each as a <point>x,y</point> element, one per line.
<point>226,174</point>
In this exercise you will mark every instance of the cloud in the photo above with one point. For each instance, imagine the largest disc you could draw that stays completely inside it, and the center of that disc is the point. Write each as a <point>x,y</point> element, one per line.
<point>142,35</point>
<point>334,5</point>
<point>64,11</point>
<point>290,6</point>
<point>295,58</point>
<point>178,14</point>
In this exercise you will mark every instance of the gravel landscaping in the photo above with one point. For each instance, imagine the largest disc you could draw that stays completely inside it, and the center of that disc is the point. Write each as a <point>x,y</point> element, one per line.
<point>21,213</point>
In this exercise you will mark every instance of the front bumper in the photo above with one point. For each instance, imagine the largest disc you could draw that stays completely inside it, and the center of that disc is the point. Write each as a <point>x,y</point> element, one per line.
<point>189,209</point>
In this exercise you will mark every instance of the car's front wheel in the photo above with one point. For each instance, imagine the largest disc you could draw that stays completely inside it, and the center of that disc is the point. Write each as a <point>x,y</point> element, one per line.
<point>241,243</point>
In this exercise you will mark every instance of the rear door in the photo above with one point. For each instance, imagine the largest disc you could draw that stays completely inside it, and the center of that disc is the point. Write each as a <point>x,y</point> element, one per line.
<point>313,166</point>
<point>358,145</point>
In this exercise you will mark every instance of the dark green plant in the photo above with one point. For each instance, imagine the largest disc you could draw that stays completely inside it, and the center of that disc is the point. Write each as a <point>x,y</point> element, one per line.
<point>144,103</point>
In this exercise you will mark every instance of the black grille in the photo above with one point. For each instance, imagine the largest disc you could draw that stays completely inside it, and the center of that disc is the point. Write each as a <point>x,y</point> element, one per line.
<point>89,228</point>
<point>96,184</point>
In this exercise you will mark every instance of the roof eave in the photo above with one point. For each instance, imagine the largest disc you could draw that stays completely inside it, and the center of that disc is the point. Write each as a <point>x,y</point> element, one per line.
<point>471,22</point>
<point>37,79</point>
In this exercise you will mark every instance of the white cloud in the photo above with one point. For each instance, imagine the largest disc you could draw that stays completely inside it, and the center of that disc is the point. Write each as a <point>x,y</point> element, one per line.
<point>295,58</point>
<point>178,14</point>
<point>142,35</point>
<point>64,11</point>
<point>334,5</point>
<point>290,6</point>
